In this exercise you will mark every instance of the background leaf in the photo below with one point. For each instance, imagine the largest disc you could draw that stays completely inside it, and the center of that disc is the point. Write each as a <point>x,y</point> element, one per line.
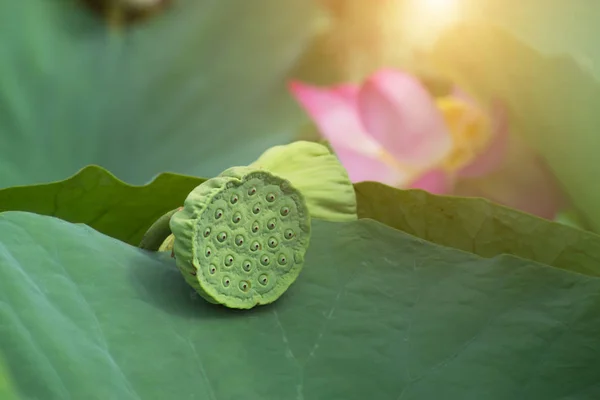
<point>544,64</point>
<point>375,313</point>
<point>480,227</point>
<point>98,199</point>
<point>193,90</point>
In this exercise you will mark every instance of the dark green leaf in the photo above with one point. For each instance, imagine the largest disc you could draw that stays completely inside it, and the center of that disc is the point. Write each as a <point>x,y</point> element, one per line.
<point>97,198</point>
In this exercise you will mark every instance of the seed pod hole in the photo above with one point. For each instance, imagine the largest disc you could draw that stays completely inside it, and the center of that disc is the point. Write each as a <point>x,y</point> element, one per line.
<point>284,211</point>
<point>239,240</point>
<point>206,232</point>
<point>237,217</point>
<point>282,259</point>
<point>273,242</point>
<point>212,269</point>
<point>264,260</point>
<point>271,224</point>
<point>256,208</point>
<point>270,197</point>
<point>252,191</point>
<point>226,281</point>
<point>222,236</point>
<point>255,227</point>
<point>218,213</point>
<point>288,234</point>
<point>254,246</point>
<point>228,260</point>
<point>247,265</point>
<point>244,286</point>
<point>263,279</point>
<point>208,252</point>
<point>234,199</point>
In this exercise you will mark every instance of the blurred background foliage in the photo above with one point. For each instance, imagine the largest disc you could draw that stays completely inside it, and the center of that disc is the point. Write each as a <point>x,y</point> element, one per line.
<point>201,85</point>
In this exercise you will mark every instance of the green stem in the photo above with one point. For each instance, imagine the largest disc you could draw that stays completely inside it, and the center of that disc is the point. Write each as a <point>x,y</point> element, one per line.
<point>158,232</point>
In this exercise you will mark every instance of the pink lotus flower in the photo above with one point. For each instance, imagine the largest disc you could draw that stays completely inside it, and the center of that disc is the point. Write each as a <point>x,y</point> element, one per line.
<point>390,130</point>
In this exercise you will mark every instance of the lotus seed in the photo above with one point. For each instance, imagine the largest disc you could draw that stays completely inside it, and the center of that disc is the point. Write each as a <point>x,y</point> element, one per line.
<point>256,209</point>
<point>271,224</point>
<point>244,286</point>
<point>222,236</point>
<point>255,246</point>
<point>208,251</point>
<point>226,282</point>
<point>282,260</point>
<point>234,199</point>
<point>237,217</point>
<point>212,269</point>
<point>206,232</point>
<point>255,227</point>
<point>251,191</point>
<point>239,240</point>
<point>288,234</point>
<point>270,197</point>
<point>218,213</point>
<point>229,260</point>
<point>264,260</point>
<point>263,279</point>
<point>272,242</point>
<point>247,265</point>
<point>285,211</point>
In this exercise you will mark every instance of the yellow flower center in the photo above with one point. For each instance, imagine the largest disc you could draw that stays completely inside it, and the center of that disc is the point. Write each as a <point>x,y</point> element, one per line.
<point>470,129</point>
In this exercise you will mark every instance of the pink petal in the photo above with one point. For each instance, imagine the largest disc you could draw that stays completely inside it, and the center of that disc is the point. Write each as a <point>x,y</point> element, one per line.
<point>363,167</point>
<point>399,113</point>
<point>436,181</point>
<point>335,113</point>
<point>493,157</point>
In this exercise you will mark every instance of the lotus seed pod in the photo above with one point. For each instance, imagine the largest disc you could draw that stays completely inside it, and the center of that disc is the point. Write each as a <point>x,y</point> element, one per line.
<point>315,171</point>
<point>241,237</point>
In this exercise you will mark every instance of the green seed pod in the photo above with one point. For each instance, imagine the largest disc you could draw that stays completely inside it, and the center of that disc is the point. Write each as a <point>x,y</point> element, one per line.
<point>241,237</point>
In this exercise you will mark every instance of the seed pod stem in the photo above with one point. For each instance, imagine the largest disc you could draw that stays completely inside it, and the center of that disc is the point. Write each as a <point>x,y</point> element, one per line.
<point>158,232</point>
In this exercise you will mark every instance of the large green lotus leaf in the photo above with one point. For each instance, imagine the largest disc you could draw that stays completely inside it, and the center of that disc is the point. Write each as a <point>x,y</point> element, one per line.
<point>376,313</point>
<point>553,101</point>
<point>193,90</point>
<point>97,198</point>
<point>480,226</point>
